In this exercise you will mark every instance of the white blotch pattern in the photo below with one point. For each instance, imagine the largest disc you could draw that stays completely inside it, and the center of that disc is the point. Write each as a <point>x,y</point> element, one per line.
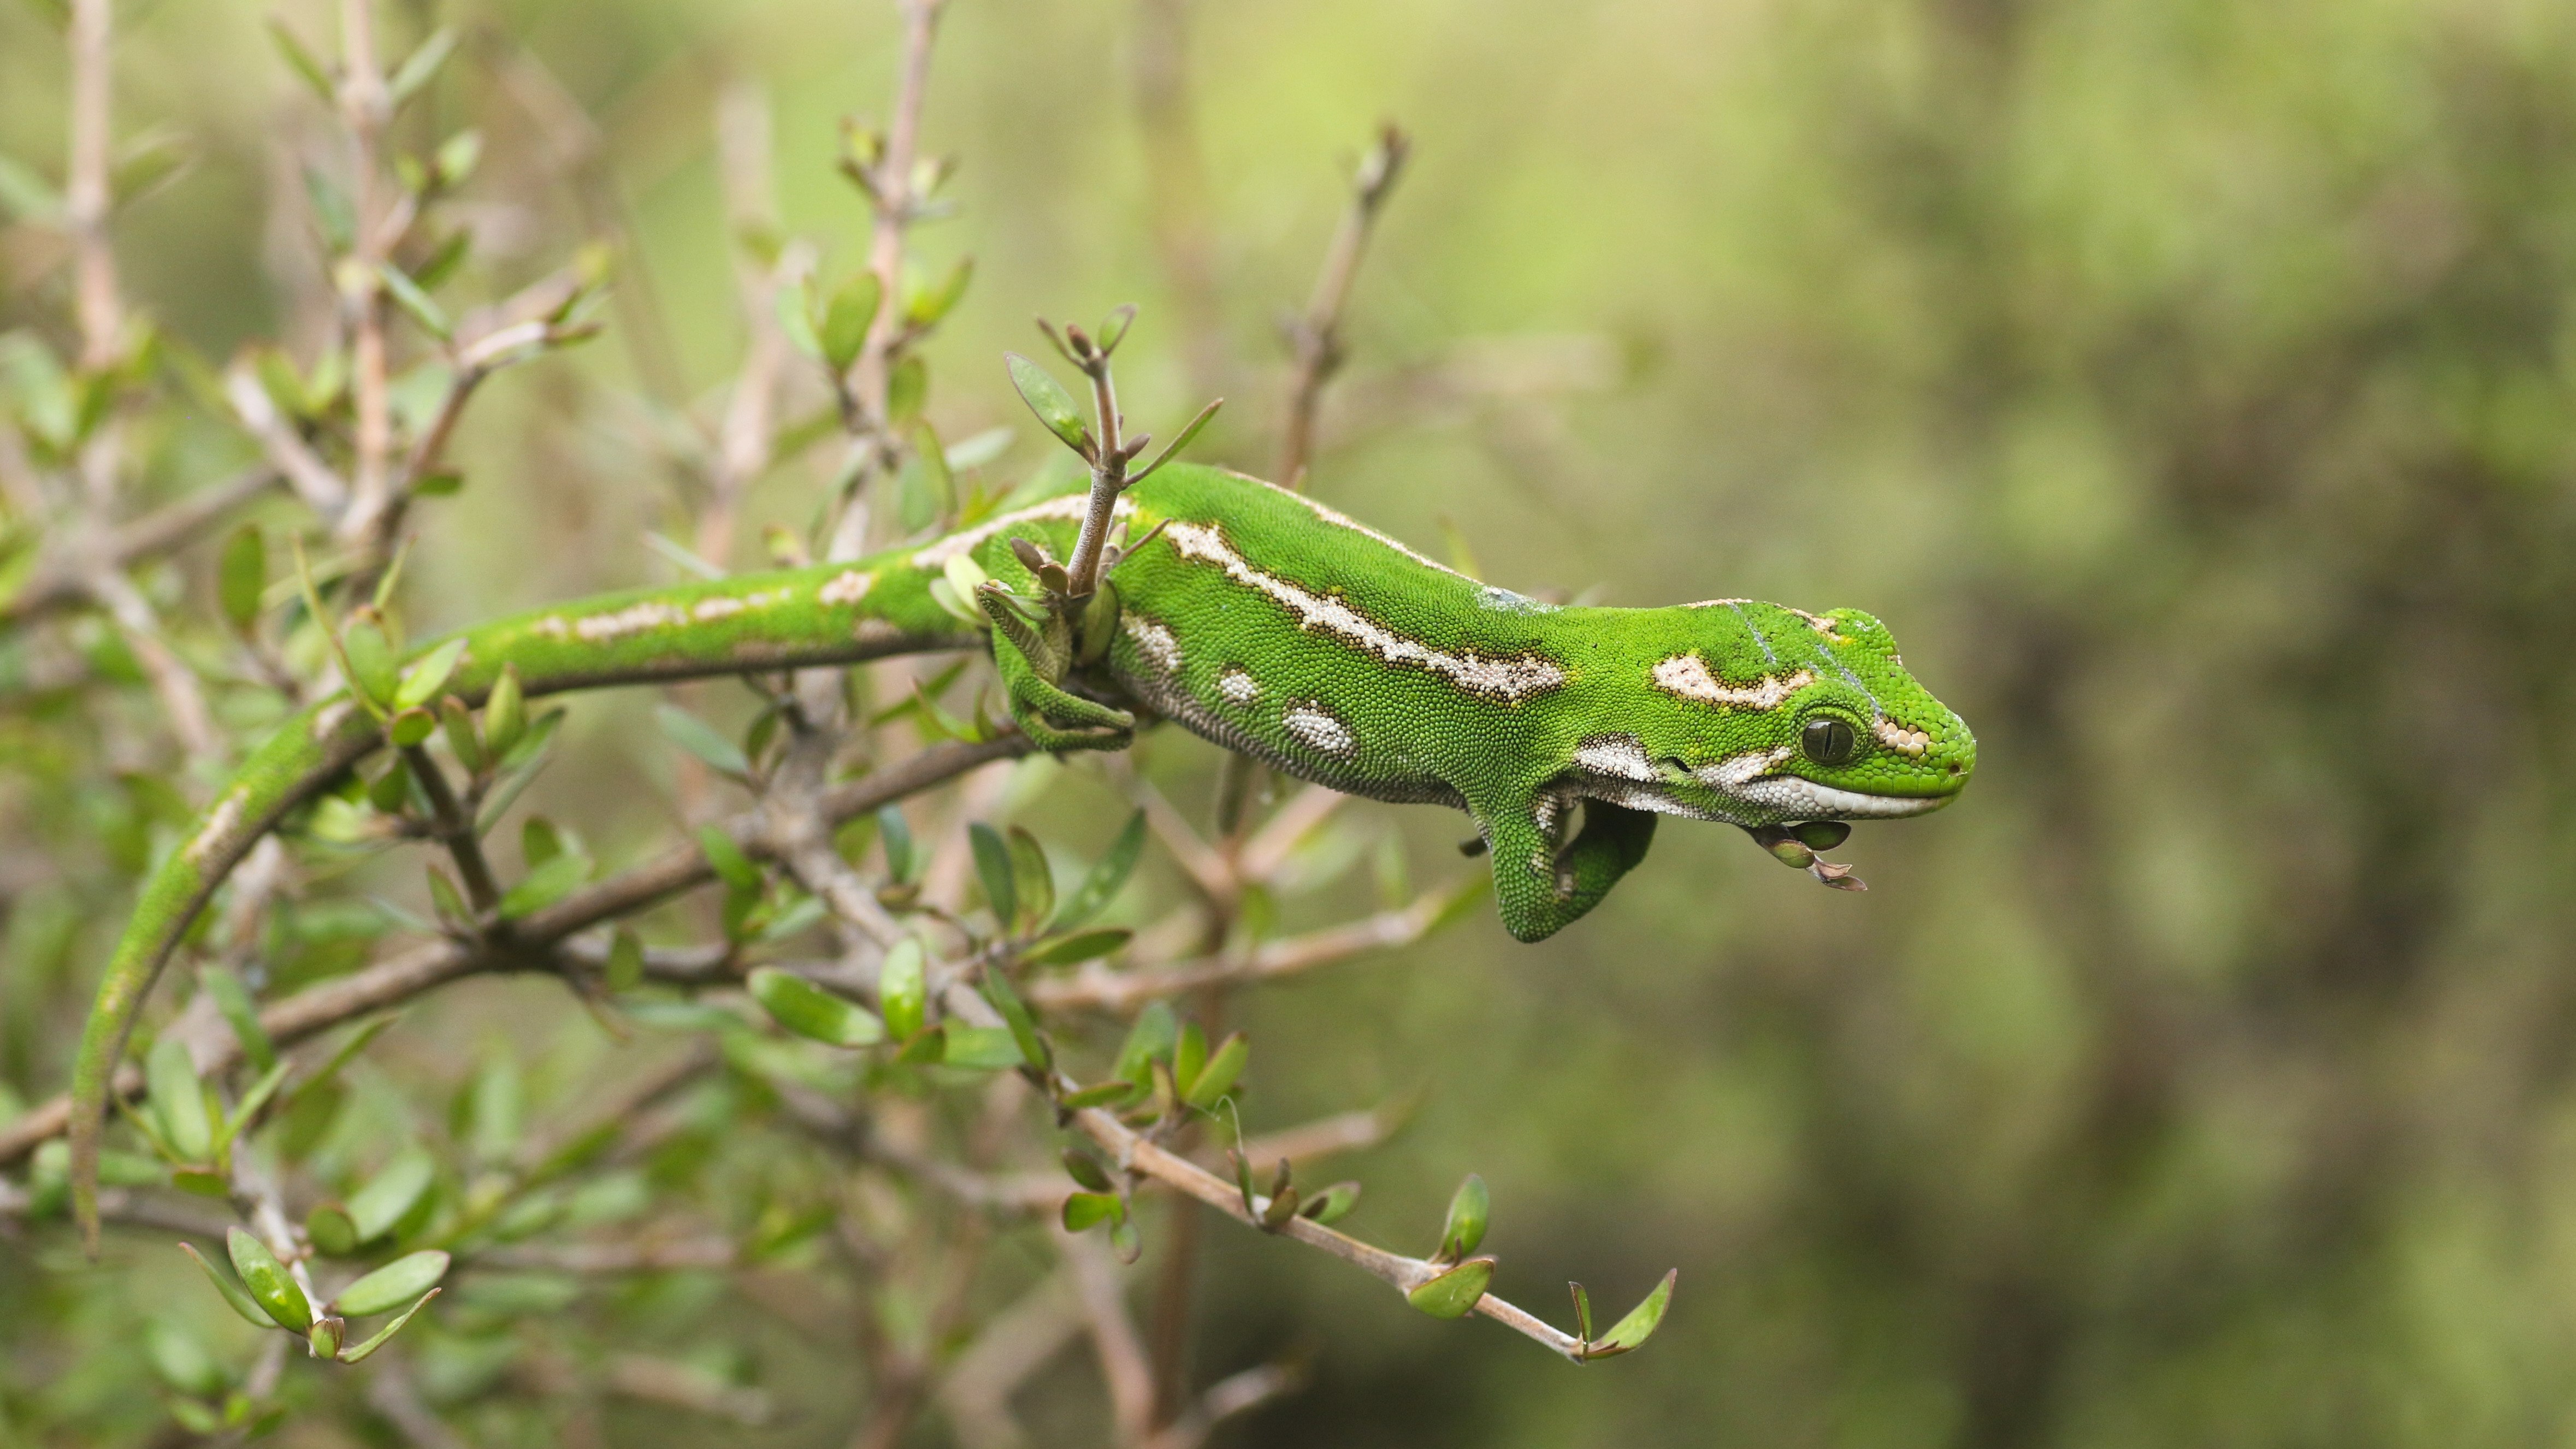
<point>1621,757</point>
<point>219,825</point>
<point>1237,686</point>
<point>633,619</point>
<point>1687,675</point>
<point>1510,680</point>
<point>1154,641</point>
<point>1318,729</point>
<point>1906,742</point>
<point>847,587</point>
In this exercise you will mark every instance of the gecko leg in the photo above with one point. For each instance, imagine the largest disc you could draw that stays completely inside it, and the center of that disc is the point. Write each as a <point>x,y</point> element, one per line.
<point>1033,667</point>
<point>1543,884</point>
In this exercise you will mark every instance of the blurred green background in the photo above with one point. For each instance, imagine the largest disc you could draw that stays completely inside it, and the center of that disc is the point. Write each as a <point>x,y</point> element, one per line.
<point>2191,386</point>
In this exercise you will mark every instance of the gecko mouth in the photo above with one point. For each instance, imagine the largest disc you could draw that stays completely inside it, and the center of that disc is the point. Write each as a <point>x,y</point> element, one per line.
<point>1798,799</point>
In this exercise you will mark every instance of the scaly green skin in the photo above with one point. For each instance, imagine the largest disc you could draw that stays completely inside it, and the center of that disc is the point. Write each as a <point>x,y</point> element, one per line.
<point>1266,623</point>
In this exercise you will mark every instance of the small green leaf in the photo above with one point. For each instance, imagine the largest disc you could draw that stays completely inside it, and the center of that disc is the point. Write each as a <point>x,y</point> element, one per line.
<point>993,869</point>
<point>457,722</point>
<point>702,740</point>
<point>982,1048</point>
<point>423,681</point>
<point>247,1110</point>
<point>1106,878</point>
<point>179,1101</point>
<point>359,1354</point>
<point>457,156</point>
<point>371,660</point>
<point>412,727</point>
<point>445,899</point>
<point>1582,1314</point>
<point>1332,1204</point>
<point>241,1302</point>
<point>1100,1094</point>
<point>1032,879</point>
<point>1086,1170</point>
<point>1224,1066</point>
<point>539,841</point>
<point>726,859</point>
<point>331,1230</point>
<point>1015,1014</point>
<point>903,990</point>
<point>505,713</point>
<point>1080,946</point>
<point>933,302</point>
<point>896,832</point>
<point>1453,1294</point>
<point>1047,398</point>
<point>1173,448</point>
<point>1085,1210</point>
<point>391,1194</point>
<point>269,1284</point>
<point>416,304</point>
<point>1113,328</point>
<point>625,969</point>
<point>809,1011</point>
<point>1152,1036</point>
<point>846,320</point>
<point>421,64</point>
<point>181,1361</point>
<point>1469,1208</point>
<point>391,1286</point>
<point>907,388</point>
<point>1189,1057</point>
<point>544,886</point>
<point>795,322</point>
<point>240,1013</point>
<point>303,63</point>
<point>1640,1323</point>
<point>241,576</point>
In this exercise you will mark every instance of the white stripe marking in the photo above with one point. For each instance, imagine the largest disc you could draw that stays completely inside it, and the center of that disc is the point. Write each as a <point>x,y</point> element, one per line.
<point>1511,680</point>
<point>1687,675</point>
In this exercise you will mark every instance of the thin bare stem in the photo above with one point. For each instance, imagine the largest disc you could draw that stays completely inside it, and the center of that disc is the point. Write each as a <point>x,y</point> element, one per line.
<point>453,825</point>
<point>86,196</point>
<point>365,107</point>
<point>1315,338</point>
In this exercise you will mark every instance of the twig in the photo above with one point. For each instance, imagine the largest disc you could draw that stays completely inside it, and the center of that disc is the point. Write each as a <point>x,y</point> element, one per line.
<point>1123,1364</point>
<point>1101,987</point>
<point>1014,1345</point>
<point>1135,1153</point>
<point>896,207</point>
<point>87,200</point>
<point>365,107</point>
<point>1315,339</point>
<point>453,826</point>
<point>171,678</point>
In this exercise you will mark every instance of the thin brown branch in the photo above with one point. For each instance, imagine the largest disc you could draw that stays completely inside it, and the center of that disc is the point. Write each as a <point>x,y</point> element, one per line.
<point>182,698</point>
<point>453,827</point>
<point>1134,1152</point>
<point>897,205</point>
<point>1014,1345</point>
<point>1315,339</point>
<point>1124,1367</point>
<point>87,200</point>
<point>322,490</point>
<point>1101,987</point>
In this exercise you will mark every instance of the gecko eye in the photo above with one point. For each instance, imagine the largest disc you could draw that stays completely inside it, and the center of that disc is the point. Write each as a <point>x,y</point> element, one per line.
<point>1828,741</point>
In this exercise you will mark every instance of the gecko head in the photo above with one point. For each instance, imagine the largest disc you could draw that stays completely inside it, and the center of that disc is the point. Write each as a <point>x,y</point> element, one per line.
<point>1770,717</point>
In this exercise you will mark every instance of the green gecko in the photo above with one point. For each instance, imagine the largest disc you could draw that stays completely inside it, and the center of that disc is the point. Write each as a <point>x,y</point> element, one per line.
<point>1270,625</point>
